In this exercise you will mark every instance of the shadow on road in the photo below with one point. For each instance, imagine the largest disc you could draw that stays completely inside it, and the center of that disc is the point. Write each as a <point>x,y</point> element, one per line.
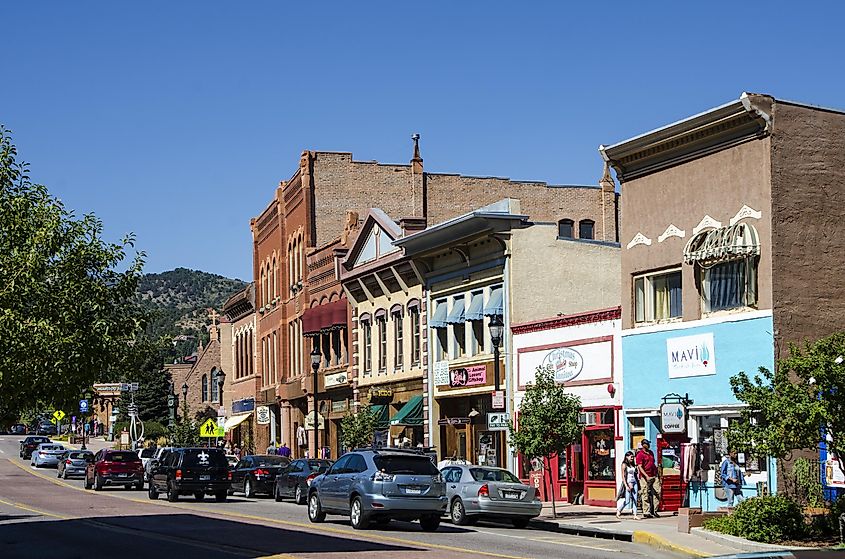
<point>185,536</point>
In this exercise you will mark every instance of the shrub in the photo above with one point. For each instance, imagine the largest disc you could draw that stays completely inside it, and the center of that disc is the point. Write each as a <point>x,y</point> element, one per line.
<point>153,430</point>
<point>766,519</point>
<point>723,524</point>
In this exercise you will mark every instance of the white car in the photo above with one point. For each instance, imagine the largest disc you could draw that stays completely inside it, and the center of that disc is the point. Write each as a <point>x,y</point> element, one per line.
<point>47,454</point>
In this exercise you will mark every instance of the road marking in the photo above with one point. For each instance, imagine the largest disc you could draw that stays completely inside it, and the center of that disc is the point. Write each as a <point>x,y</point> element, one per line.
<point>36,511</point>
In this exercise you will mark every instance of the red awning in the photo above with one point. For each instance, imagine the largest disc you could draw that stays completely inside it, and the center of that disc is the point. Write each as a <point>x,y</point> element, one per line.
<point>336,313</point>
<point>312,320</point>
<point>325,317</point>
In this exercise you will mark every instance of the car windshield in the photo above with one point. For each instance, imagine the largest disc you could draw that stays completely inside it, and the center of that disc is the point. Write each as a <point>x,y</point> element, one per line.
<point>415,465</point>
<point>204,457</point>
<point>493,474</point>
<point>268,461</point>
<point>122,457</point>
<point>147,452</point>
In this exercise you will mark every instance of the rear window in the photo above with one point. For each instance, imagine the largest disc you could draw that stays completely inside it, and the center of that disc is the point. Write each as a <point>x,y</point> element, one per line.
<point>121,457</point>
<point>204,457</point>
<point>40,440</point>
<point>415,465</point>
<point>492,474</point>
<point>147,452</point>
<point>268,461</point>
<point>315,466</point>
<point>79,455</point>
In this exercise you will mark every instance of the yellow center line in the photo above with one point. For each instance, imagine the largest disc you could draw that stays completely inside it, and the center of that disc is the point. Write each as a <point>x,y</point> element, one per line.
<point>308,526</point>
<point>36,511</point>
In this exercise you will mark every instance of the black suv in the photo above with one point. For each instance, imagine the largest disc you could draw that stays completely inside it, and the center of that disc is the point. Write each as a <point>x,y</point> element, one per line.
<point>29,444</point>
<point>191,471</point>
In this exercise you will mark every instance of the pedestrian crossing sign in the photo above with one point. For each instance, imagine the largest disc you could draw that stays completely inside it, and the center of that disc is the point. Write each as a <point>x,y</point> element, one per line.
<point>211,429</point>
<point>59,415</point>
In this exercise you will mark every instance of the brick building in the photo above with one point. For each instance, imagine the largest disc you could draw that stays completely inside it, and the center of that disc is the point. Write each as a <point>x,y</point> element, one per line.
<point>237,338</point>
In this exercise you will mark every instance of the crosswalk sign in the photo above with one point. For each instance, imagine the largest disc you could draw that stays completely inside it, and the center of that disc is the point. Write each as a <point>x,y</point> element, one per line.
<point>211,429</point>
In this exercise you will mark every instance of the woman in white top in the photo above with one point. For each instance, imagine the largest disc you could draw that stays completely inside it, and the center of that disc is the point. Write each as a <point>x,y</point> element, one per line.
<point>629,489</point>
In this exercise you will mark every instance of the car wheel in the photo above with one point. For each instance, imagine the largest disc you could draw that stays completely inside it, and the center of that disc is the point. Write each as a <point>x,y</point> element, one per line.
<point>276,494</point>
<point>520,522</point>
<point>98,482</point>
<point>249,490</point>
<point>199,495</point>
<point>357,517</point>
<point>172,494</point>
<point>299,496</point>
<point>230,491</point>
<point>430,522</point>
<point>220,496</point>
<point>153,492</point>
<point>458,513</point>
<point>315,511</point>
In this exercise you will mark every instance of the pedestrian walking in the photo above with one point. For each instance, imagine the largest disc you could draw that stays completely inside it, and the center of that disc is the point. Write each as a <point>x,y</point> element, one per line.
<point>649,479</point>
<point>284,450</point>
<point>271,449</point>
<point>628,490</point>
<point>732,479</point>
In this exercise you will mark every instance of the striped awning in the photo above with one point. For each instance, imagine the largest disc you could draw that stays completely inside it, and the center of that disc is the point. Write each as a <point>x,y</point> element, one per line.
<point>456,315</point>
<point>439,318</point>
<point>725,243</point>
<point>495,305</point>
<point>476,307</point>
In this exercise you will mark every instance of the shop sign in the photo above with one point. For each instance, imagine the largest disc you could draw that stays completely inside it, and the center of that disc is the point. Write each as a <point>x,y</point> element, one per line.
<point>497,421</point>
<point>381,393</point>
<point>336,379</point>
<point>262,415</point>
<point>242,406</point>
<point>566,362</point>
<point>691,356</point>
<point>441,373</point>
<point>338,405</point>
<point>454,421</point>
<point>673,418</point>
<point>309,421</point>
<point>833,472</point>
<point>468,376</point>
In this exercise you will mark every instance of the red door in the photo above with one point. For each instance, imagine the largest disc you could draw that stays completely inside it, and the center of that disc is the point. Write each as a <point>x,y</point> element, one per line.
<point>670,459</point>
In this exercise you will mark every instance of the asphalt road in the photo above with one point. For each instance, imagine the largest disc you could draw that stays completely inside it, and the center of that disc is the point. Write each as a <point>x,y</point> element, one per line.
<point>41,516</point>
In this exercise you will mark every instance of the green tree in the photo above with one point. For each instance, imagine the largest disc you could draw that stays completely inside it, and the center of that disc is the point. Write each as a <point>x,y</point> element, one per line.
<point>359,428</point>
<point>794,407</point>
<point>143,363</point>
<point>66,295</point>
<point>548,421</point>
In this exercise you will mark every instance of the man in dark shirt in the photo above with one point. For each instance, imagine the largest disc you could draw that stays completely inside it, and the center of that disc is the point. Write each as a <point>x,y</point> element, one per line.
<point>649,479</point>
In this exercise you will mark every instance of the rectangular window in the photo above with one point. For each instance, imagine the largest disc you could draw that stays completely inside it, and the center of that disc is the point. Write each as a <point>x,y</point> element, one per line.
<point>442,343</point>
<point>367,331</point>
<point>336,350</point>
<point>729,285</point>
<point>398,341</point>
<point>657,297</point>
<point>636,430</point>
<point>416,339</point>
<point>382,344</point>
<point>477,337</point>
<point>326,349</point>
<point>586,229</point>
<point>459,331</point>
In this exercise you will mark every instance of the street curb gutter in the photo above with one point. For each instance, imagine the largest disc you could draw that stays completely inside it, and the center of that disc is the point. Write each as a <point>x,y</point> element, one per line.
<point>576,530</point>
<point>641,536</point>
<point>742,543</point>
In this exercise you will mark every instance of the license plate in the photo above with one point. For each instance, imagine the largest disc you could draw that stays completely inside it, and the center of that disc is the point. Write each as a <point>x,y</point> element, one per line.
<point>122,475</point>
<point>413,490</point>
<point>510,495</point>
<point>205,478</point>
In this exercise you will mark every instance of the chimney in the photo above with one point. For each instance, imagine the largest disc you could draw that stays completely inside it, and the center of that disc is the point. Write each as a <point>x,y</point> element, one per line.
<point>411,225</point>
<point>608,200</point>
<point>417,180</point>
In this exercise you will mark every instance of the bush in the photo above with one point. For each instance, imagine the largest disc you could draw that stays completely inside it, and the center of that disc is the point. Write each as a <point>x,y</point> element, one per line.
<point>767,519</point>
<point>153,430</point>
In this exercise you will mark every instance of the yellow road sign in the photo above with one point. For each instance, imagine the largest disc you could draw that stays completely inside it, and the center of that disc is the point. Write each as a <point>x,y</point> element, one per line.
<point>53,420</point>
<point>211,429</point>
<point>59,415</point>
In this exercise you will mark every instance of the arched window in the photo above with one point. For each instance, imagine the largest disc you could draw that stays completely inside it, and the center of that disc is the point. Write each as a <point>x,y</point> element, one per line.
<point>586,229</point>
<point>215,393</point>
<point>204,382</point>
<point>275,278</point>
<point>564,228</point>
<point>261,296</point>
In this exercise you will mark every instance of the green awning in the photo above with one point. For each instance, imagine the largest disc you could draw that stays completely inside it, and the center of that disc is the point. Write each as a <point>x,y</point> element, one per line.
<point>382,415</point>
<point>411,414</point>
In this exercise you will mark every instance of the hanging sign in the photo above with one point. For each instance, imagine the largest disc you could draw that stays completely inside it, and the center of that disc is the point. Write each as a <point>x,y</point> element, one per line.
<point>673,418</point>
<point>262,415</point>
<point>336,379</point>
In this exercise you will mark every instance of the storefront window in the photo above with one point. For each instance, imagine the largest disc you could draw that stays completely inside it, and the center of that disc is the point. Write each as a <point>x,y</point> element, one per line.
<point>601,457</point>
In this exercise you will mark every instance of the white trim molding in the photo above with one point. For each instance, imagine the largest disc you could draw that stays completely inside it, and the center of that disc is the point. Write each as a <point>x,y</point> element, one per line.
<point>706,222</point>
<point>746,211</point>
<point>671,231</point>
<point>639,239</point>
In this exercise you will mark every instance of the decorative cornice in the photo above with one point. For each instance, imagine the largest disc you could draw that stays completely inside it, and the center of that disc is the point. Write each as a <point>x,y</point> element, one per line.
<point>590,317</point>
<point>744,212</point>
<point>639,239</point>
<point>706,222</point>
<point>671,231</point>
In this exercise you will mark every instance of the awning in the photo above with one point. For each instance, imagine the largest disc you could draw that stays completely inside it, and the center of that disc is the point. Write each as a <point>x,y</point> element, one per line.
<point>476,307</point>
<point>411,414</point>
<point>439,318</point>
<point>494,305</point>
<point>324,317</point>
<point>456,315</point>
<point>725,243</point>
<point>382,415</point>
<point>235,420</point>
<point>312,320</point>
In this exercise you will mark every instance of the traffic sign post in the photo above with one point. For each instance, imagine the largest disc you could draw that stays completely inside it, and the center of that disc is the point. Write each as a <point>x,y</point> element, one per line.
<point>83,406</point>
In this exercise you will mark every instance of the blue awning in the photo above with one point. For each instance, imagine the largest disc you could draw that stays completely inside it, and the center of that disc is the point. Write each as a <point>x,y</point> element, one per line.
<point>439,318</point>
<point>456,316</point>
<point>494,306</point>
<point>476,307</point>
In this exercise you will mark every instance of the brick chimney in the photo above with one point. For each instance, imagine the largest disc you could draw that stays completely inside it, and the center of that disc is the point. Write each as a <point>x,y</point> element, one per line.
<point>608,205</point>
<point>417,180</point>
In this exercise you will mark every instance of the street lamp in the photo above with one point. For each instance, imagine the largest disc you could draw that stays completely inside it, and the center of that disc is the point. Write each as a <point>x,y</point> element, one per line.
<point>496,330</point>
<point>315,366</point>
<point>185,401</point>
<point>219,377</point>
<point>171,404</point>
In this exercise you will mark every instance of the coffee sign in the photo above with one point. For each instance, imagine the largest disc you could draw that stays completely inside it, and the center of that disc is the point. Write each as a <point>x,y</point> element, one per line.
<point>566,362</point>
<point>673,418</point>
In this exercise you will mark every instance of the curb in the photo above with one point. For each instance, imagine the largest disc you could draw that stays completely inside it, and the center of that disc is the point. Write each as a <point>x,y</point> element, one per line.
<point>577,530</point>
<point>641,536</point>
<point>742,543</point>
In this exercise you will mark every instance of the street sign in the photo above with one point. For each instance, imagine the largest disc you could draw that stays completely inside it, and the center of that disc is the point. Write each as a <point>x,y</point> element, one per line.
<point>53,420</point>
<point>497,421</point>
<point>210,429</point>
<point>499,400</point>
<point>59,415</point>
<point>83,406</point>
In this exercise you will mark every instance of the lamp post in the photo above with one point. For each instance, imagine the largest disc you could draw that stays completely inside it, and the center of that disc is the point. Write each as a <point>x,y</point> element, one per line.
<point>496,330</point>
<point>185,401</point>
<point>315,366</point>
<point>171,405</point>
<point>219,377</point>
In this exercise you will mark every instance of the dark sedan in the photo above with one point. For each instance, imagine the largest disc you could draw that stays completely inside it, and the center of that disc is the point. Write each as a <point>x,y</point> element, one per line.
<point>294,480</point>
<point>257,473</point>
<point>30,444</point>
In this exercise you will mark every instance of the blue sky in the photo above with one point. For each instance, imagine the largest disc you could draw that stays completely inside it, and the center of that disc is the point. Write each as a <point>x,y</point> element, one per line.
<point>176,120</point>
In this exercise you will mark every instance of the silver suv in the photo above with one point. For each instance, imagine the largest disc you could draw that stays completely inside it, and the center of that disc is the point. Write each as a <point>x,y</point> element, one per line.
<point>379,485</point>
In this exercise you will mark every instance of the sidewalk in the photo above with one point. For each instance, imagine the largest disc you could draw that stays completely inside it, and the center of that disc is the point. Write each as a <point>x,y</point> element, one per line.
<point>93,444</point>
<point>662,532</point>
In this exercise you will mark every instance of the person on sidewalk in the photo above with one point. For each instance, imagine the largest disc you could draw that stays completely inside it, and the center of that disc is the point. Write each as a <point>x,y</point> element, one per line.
<point>628,489</point>
<point>649,480</point>
<point>732,479</point>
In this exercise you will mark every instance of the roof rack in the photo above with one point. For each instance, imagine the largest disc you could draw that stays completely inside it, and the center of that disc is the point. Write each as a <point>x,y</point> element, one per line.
<point>390,449</point>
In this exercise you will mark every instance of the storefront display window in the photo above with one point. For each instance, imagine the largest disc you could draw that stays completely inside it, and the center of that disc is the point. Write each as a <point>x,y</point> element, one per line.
<point>601,457</point>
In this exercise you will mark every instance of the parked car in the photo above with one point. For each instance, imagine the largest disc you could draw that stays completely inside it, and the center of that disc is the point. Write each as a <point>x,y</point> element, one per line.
<point>257,473</point>
<point>296,478</point>
<point>145,454</point>
<point>478,491</point>
<point>47,454</point>
<point>18,429</point>
<point>379,485</point>
<point>73,463</point>
<point>191,471</point>
<point>114,467</point>
<point>29,444</point>
<point>45,428</point>
<point>233,460</point>
<point>158,456</point>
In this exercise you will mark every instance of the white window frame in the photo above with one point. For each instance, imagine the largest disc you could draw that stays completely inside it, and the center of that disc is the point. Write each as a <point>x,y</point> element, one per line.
<point>648,291</point>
